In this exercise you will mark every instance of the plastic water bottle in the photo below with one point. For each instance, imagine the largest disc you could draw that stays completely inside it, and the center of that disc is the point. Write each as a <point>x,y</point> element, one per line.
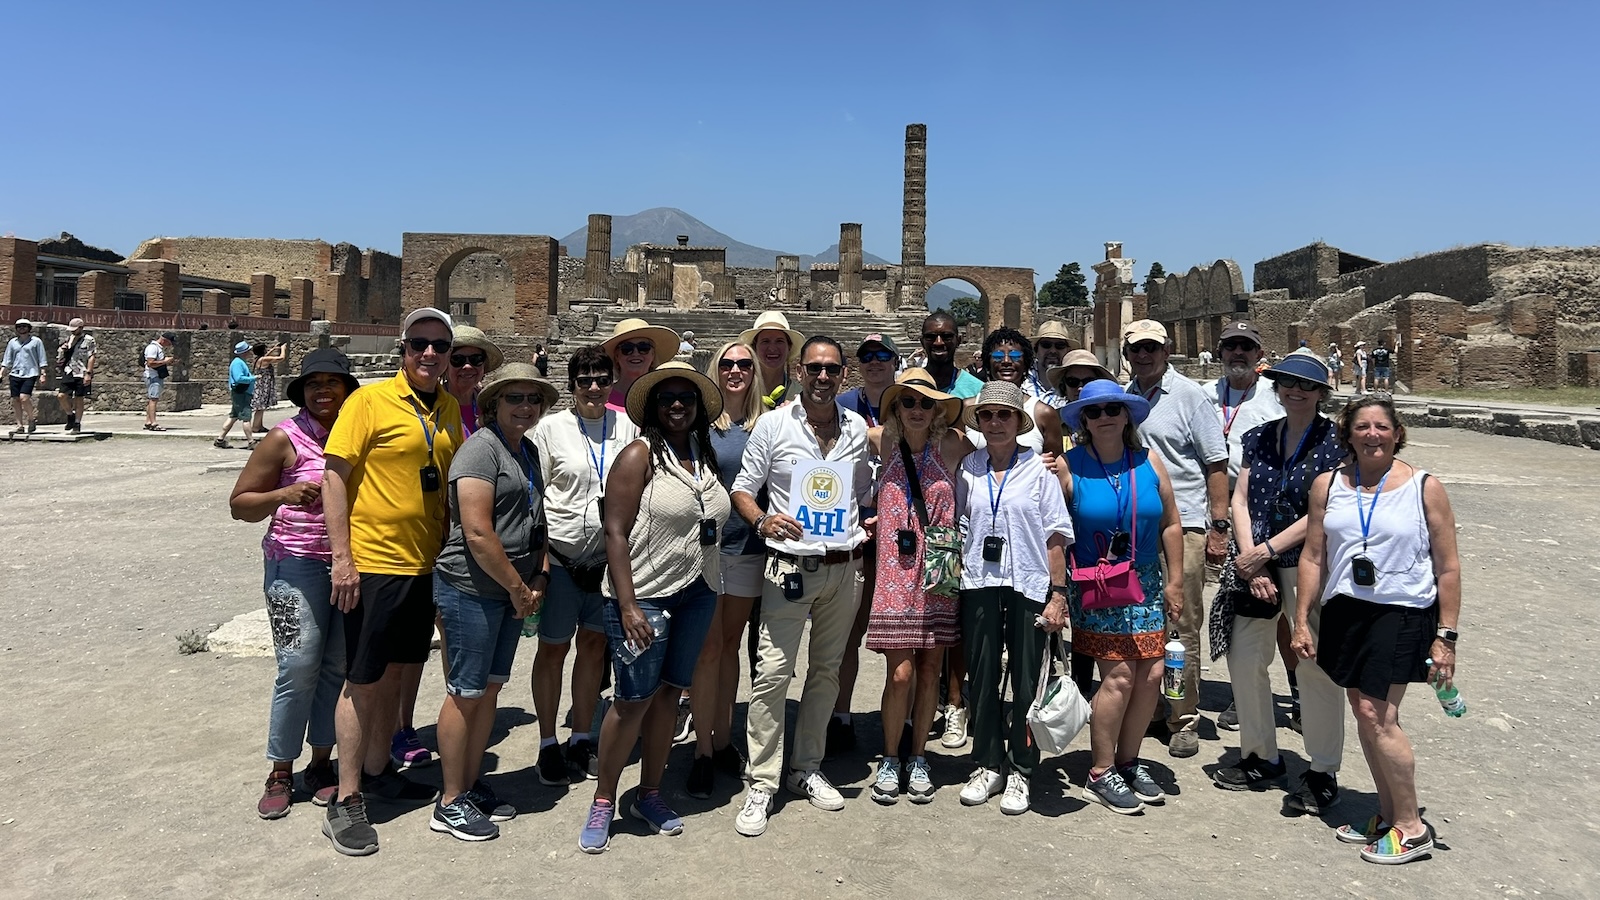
<point>1172,674</point>
<point>630,651</point>
<point>1450,699</point>
<point>530,624</point>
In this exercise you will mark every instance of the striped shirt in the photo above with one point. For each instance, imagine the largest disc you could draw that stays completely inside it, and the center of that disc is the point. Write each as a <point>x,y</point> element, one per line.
<point>1184,428</point>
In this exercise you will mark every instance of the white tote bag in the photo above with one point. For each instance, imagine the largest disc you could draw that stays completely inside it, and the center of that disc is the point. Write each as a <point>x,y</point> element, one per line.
<point>1058,711</point>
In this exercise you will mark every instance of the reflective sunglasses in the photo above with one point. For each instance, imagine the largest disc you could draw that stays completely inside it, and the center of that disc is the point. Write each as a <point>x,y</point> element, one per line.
<point>868,356</point>
<point>468,359</point>
<point>1146,347</point>
<point>420,345</point>
<point>934,337</point>
<point>635,348</point>
<point>1053,345</point>
<point>585,381</point>
<point>536,398</point>
<point>1294,383</point>
<point>1110,410</point>
<point>998,415</point>
<point>743,365</point>
<point>1003,355</point>
<point>1235,346</point>
<point>912,402</point>
<point>834,370</point>
<point>666,399</point>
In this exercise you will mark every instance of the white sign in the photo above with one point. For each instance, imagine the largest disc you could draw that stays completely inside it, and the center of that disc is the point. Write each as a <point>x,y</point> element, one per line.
<point>819,499</point>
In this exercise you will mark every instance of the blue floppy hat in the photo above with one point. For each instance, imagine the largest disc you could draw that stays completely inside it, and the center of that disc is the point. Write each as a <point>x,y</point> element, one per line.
<point>1102,391</point>
<point>1302,363</point>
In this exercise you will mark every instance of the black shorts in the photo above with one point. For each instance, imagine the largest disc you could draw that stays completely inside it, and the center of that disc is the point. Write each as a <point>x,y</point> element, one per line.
<point>393,623</point>
<point>1373,646</point>
<point>22,387</point>
<point>73,387</point>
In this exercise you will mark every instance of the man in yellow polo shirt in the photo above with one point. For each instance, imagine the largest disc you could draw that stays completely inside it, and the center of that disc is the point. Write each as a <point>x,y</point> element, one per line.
<point>384,498</point>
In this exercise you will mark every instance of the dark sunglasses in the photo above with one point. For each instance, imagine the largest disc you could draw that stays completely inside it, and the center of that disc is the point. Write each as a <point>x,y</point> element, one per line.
<point>934,337</point>
<point>1235,346</point>
<point>868,356</point>
<point>743,365</point>
<point>468,359</point>
<point>633,348</point>
<point>1111,410</point>
<point>420,345</point>
<point>834,370</point>
<point>584,381</point>
<point>909,402</point>
<point>1003,355</point>
<point>1074,382</point>
<point>998,415</point>
<point>1146,347</point>
<point>536,398</point>
<point>666,399</point>
<point>1053,345</point>
<point>1293,383</point>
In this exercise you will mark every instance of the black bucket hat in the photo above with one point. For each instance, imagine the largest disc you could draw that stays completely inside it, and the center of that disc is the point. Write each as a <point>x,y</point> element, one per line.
<point>325,360</point>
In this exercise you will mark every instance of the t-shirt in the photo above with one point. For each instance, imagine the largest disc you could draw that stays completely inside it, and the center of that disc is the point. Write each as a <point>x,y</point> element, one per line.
<point>154,351</point>
<point>1184,429</point>
<point>575,456</point>
<point>395,527</point>
<point>966,385</point>
<point>1380,358</point>
<point>518,512</point>
<point>1276,479</point>
<point>738,538</point>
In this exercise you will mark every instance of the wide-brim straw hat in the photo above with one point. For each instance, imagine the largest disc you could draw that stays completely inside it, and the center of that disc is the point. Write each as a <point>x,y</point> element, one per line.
<point>999,393</point>
<point>1302,363</point>
<point>1097,393</point>
<point>1055,329</point>
<point>710,394</point>
<point>772,320</point>
<point>1052,375</point>
<point>326,360</point>
<point>468,336</point>
<point>498,381</point>
<point>920,382</point>
<point>664,339</point>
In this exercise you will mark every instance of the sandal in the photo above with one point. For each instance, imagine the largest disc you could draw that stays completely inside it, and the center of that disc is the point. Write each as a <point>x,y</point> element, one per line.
<point>154,428</point>
<point>221,444</point>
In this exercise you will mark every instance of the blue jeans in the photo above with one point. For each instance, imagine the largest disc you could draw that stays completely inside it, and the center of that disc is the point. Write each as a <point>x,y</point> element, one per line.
<point>481,634</point>
<point>308,639</point>
<point>670,658</point>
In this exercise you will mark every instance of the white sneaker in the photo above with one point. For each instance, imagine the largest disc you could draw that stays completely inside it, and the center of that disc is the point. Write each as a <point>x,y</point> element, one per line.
<point>814,786</point>
<point>752,820</point>
<point>1015,802</point>
<point>955,727</point>
<point>983,784</point>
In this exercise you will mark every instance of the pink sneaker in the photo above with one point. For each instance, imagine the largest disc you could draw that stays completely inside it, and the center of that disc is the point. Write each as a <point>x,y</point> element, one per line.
<point>407,751</point>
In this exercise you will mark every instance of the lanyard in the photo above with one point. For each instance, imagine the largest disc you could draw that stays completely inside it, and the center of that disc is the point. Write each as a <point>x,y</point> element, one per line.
<point>1366,516</point>
<point>867,411</point>
<point>527,463</point>
<point>1228,417</point>
<point>994,496</point>
<point>597,461</point>
<point>1288,461</point>
<point>1149,395</point>
<point>1116,480</point>
<point>416,409</point>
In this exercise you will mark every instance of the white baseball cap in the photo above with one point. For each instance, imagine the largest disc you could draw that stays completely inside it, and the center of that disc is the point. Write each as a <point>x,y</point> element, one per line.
<point>426,312</point>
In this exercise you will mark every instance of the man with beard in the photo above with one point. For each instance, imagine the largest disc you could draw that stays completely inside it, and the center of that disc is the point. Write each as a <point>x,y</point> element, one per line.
<point>1050,346</point>
<point>940,338</point>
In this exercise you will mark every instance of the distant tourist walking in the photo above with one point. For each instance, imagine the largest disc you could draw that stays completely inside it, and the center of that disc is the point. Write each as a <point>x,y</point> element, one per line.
<point>77,363</point>
<point>1361,367</point>
<point>266,393</point>
<point>241,387</point>
<point>24,361</point>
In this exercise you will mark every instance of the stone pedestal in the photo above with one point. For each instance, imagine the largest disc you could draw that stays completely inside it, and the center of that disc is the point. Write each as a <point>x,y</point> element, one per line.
<point>216,302</point>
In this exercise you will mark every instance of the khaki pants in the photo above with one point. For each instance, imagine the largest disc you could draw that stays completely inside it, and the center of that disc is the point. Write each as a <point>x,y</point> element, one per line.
<point>1184,715</point>
<point>830,597</point>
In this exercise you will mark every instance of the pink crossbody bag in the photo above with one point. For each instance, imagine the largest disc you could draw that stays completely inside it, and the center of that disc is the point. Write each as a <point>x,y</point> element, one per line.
<point>1108,584</point>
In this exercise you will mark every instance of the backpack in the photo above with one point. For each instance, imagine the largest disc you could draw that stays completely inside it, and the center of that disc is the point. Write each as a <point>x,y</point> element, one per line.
<point>161,371</point>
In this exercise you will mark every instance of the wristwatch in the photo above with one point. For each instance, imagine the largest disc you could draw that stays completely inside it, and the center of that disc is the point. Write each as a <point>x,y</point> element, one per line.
<point>1061,589</point>
<point>1221,525</point>
<point>1448,635</point>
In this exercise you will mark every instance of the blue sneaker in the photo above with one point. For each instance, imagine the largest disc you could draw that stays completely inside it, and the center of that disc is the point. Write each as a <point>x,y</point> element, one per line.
<point>462,820</point>
<point>596,834</point>
<point>655,812</point>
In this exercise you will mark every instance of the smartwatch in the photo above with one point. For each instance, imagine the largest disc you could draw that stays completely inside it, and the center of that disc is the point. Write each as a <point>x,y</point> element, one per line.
<point>1221,525</point>
<point>1448,635</point>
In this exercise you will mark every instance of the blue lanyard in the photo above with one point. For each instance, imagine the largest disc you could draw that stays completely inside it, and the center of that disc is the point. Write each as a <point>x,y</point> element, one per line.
<point>527,463</point>
<point>994,496</point>
<point>1116,481</point>
<point>1288,461</point>
<point>1366,516</point>
<point>416,409</point>
<point>598,462</point>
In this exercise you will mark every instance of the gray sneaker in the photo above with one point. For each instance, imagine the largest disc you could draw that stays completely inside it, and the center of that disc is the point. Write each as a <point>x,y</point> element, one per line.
<point>886,787</point>
<point>1136,775</point>
<point>1110,791</point>
<point>1228,719</point>
<point>919,782</point>
<point>347,827</point>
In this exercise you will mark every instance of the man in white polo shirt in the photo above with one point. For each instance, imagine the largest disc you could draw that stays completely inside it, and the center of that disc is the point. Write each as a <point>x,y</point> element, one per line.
<point>807,575</point>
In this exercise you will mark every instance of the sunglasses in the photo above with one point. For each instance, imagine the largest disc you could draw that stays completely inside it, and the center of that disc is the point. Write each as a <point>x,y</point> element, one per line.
<point>914,402</point>
<point>635,348</point>
<point>421,345</point>
<point>1297,384</point>
<point>1146,347</point>
<point>1003,355</point>
<point>743,365</point>
<point>666,399</point>
<point>536,398</point>
<point>834,370</point>
<point>1236,346</point>
<point>1110,410</point>
<point>1074,382</point>
<point>1053,345</point>
<point>997,415</point>
<point>468,359</point>
<point>869,356</point>
<point>587,381</point>
<point>934,337</point>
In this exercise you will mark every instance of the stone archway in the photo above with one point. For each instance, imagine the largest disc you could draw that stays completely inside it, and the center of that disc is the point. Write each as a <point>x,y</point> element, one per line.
<point>1007,294</point>
<point>427,259</point>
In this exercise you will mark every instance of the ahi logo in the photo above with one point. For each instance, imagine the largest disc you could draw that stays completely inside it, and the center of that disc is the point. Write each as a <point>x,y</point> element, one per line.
<point>822,487</point>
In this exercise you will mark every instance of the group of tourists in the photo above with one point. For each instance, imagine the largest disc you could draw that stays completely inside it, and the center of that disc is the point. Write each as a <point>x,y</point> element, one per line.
<point>955,525</point>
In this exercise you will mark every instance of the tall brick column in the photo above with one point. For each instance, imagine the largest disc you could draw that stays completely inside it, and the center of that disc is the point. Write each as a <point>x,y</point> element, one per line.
<point>850,264</point>
<point>263,295</point>
<point>19,264</point>
<point>216,302</point>
<point>300,295</point>
<point>914,220</point>
<point>96,290</point>
<point>597,256</point>
<point>788,278</point>
<point>158,280</point>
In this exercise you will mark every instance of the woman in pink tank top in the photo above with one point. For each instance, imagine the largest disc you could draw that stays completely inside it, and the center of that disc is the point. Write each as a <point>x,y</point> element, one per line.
<point>283,482</point>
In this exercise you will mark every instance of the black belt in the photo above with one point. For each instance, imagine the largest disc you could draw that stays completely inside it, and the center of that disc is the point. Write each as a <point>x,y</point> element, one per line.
<point>831,558</point>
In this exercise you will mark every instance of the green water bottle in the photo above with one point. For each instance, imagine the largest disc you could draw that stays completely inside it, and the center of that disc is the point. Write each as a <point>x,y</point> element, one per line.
<point>1450,699</point>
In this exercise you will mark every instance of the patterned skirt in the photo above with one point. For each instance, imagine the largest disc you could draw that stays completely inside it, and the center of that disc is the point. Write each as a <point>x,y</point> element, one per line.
<point>1136,631</point>
<point>266,396</point>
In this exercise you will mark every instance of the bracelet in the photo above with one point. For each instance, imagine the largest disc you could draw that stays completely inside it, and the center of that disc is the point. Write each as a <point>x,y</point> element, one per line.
<point>1271,553</point>
<point>757,524</point>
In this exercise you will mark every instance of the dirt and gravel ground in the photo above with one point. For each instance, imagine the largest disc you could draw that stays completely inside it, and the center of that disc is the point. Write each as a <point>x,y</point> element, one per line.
<point>131,770</point>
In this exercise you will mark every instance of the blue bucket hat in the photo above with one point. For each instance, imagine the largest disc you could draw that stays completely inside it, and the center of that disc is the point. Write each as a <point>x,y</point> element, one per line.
<point>1099,392</point>
<point>1302,363</point>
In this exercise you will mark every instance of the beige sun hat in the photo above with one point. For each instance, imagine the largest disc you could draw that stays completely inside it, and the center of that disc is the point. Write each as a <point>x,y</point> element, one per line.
<point>999,393</point>
<point>710,394</point>
<point>505,376</point>
<point>772,320</point>
<point>1052,375</point>
<point>469,336</point>
<point>919,381</point>
<point>1055,329</point>
<point>664,339</point>
<point>1144,330</point>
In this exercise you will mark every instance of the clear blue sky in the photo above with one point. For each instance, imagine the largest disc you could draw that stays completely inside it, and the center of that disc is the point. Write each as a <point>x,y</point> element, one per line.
<point>1189,131</point>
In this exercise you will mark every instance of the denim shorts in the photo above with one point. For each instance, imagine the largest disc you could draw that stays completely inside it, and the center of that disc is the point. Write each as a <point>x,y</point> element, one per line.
<point>153,386</point>
<point>670,658</point>
<point>565,608</point>
<point>482,634</point>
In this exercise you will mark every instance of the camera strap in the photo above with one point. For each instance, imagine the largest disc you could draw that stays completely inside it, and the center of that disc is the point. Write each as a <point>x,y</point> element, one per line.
<point>914,481</point>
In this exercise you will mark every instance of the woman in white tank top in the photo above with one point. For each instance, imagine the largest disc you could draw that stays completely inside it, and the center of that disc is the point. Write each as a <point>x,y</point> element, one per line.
<point>1380,554</point>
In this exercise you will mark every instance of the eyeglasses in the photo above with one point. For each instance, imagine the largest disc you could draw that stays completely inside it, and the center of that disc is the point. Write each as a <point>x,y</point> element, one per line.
<point>743,365</point>
<point>421,345</point>
<point>868,356</point>
<point>666,399</point>
<point>914,402</point>
<point>586,381</point>
<point>1236,346</point>
<point>1110,410</point>
<point>934,337</point>
<point>635,348</point>
<point>1053,345</point>
<point>1003,355</point>
<point>997,415</point>
<point>834,370</point>
<point>1146,347</point>
<point>1074,382</point>
<point>468,359</point>
<point>536,398</point>
<point>1296,384</point>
